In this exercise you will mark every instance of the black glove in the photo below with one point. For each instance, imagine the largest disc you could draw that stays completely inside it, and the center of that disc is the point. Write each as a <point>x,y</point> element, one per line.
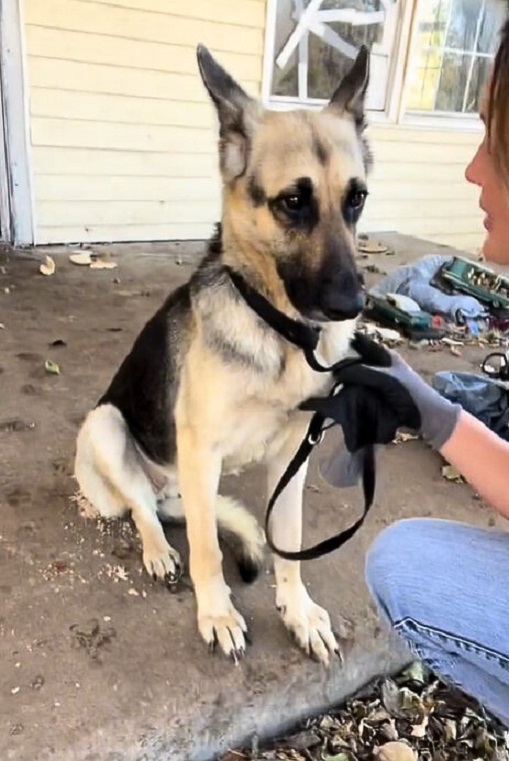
<point>371,403</point>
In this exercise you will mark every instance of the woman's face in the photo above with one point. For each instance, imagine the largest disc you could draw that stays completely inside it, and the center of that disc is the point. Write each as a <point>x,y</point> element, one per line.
<point>494,199</point>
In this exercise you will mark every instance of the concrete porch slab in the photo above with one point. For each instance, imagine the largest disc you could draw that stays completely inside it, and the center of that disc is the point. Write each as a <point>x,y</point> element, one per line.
<point>97,662</point>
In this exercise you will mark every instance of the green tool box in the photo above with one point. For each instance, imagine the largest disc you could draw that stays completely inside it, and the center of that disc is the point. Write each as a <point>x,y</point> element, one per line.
<point>416,325</point>
<point>475,280</point>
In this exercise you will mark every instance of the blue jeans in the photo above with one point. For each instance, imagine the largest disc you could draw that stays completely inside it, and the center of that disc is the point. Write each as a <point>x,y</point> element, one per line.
<point>444,587</point>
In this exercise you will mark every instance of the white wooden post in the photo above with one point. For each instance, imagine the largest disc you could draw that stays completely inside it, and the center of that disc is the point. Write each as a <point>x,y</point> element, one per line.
<point>16,124</point>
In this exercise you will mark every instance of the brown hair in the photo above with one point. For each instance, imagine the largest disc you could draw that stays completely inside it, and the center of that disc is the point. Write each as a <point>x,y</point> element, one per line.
<point>497,118</point>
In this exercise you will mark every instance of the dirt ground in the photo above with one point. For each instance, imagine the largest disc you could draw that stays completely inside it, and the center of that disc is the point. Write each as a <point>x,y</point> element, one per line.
<point>98,662</point>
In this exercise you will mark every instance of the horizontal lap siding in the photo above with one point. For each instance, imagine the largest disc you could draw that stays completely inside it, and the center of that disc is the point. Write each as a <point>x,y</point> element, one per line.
<point>123,135</point>
<point>418,186</point>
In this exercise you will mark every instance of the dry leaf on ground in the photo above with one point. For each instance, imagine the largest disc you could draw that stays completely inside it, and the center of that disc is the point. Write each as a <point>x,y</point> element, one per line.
<point>51,367</point>
<point>450,473</point>
<point>83,258</point>
<point>103,264</point>
<point>413,716</point>
<point>48,266</point>
<point>395,751</point>
<point>371,247</point>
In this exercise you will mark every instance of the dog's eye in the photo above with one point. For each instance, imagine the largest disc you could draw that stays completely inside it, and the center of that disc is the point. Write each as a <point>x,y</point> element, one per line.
<point>356,199</point>
<point>293,202</point>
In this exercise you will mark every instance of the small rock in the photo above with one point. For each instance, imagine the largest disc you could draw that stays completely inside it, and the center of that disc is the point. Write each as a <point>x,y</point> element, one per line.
<point>37,682</point>
<point>395,751</point>
<point>16,424</point>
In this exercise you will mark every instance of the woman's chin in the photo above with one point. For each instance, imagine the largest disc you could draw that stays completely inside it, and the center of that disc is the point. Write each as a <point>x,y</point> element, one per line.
<point>494,250</point>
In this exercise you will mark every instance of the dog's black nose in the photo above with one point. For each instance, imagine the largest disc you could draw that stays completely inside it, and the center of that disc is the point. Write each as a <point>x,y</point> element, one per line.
<point>343,299</point>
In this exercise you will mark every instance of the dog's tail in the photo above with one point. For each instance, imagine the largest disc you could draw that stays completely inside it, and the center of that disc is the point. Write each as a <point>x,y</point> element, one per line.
<point>243,535</point>
<point>240,530</point>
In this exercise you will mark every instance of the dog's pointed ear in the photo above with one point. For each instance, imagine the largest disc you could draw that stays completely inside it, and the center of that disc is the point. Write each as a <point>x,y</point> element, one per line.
<point>351,94</point>
<point>238,113</point>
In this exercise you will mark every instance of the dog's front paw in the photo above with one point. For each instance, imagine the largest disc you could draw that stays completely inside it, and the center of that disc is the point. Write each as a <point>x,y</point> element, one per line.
<point>220,622</point>
<point>308,623</point>
<point>162,562</point>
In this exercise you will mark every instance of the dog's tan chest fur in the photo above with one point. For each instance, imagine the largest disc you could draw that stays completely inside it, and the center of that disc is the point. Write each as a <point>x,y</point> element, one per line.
<point>257,411</point>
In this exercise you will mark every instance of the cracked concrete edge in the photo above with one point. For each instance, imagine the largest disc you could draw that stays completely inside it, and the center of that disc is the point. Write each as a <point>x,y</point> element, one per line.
<point>223,727</point>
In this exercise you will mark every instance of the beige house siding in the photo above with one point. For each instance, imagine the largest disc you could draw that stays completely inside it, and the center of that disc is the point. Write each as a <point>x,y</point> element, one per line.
<point>123,137</point>
<point>418,185</point>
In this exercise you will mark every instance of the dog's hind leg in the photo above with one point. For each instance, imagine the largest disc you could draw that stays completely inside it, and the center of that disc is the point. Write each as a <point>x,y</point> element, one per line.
<point>110,475</point>
<point>240,530</point>
<point>307,621</point>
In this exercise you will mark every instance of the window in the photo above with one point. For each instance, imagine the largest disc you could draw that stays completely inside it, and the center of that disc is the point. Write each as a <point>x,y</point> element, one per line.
<point>315,42</point>
<point>455,44</point>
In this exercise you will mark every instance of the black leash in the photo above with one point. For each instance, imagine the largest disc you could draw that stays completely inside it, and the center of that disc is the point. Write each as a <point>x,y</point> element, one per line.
<point>306,338</point>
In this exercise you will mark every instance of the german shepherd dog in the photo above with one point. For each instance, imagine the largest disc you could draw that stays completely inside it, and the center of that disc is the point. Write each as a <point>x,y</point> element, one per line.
<point>209,387</point>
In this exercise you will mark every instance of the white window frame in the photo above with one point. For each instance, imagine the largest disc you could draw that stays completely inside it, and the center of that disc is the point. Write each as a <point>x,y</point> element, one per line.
<point>395,112</point>
<point>433,119</point>
<point>281,102</point>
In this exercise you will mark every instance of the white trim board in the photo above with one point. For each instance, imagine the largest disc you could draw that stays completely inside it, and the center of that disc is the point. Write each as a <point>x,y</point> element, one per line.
<point>5,205</point>
<point>16,122</point>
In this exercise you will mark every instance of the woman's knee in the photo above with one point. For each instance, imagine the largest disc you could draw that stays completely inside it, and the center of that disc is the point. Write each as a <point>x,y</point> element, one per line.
<point>396,565</point>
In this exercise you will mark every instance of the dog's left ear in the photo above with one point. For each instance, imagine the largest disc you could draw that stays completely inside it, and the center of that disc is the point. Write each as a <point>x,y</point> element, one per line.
<point>350,96</point>
<point>238,114</point>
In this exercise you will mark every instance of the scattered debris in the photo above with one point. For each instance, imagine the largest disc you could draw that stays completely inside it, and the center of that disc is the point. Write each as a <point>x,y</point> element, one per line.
<point>60,566</point>
<point>93,261</point>
<point>450,473</point>
<point>451,341</point>
<point>386,335</point>
<point>48,266</point>
<point>52,367</point>
<point>103,264</point>
<point>414,717</point>
<point>122,549</point>
<point>85,508</point>
<point>373,269</point>
<point>371,247</point>
<point>402,437</point>
<point>84,259</point>
<point>16,424</point>
<point>37,682</point>
<point>395,751</point>
<point>91,636</point>
<point>117,572</point>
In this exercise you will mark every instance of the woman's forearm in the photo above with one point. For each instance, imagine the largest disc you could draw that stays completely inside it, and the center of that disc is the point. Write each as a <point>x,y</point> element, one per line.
<point>482,458</point>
